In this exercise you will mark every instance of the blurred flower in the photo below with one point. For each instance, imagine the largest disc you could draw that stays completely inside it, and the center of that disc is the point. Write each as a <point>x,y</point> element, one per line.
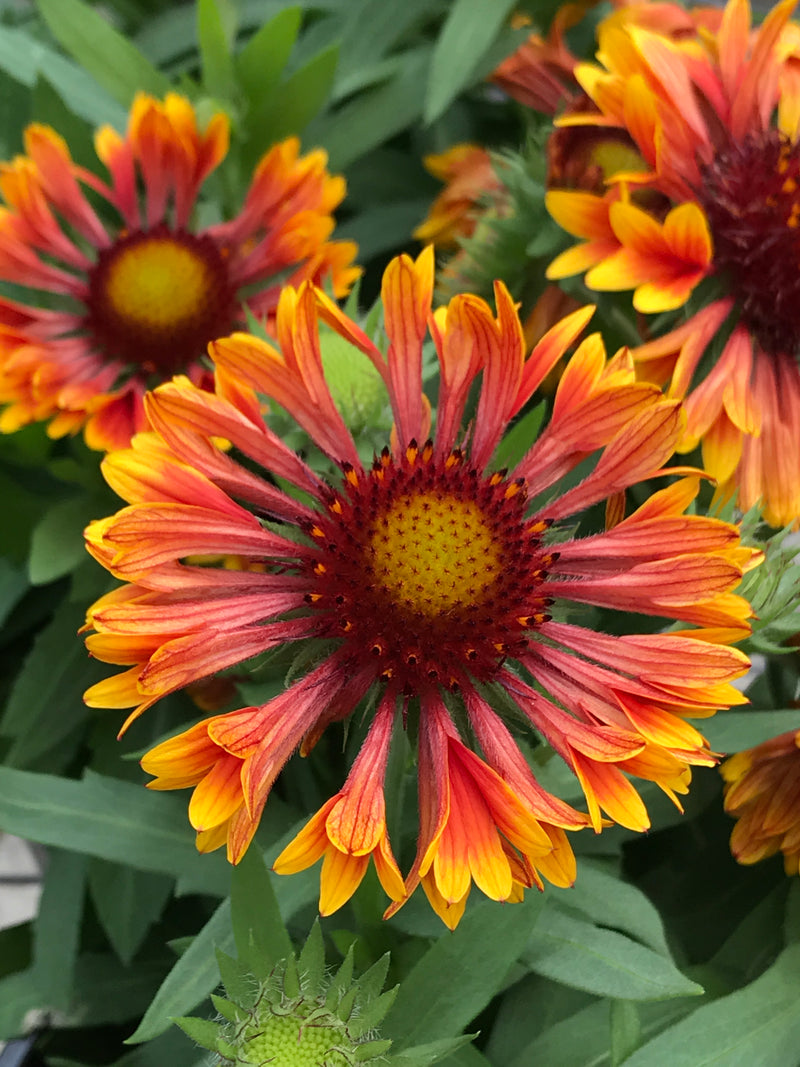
<point>428,582</point>
<point>135,291</point>
<point>700,107</point>
<point>471,186</point>
<point>539,74</point>
<point>762,792</point>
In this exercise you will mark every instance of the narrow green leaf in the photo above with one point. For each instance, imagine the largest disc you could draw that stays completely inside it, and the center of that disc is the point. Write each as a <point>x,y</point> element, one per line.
<point>18,996</point>
<point>108,56</point>
<point>46,702</point>
<point>261,937</point>
<point>480,951</point>
<point>732,731</point>
<point>263,59</point>
<point>383,228</point>
<point>519,438</point>
<point>759,1024</point>
<point>191,979</point>
<point>57,928</point>
<point>57,545</point>
<point>291,106</point>
<point>215,50</point>
<point>609,901</point>
<point>115,820</point>
<point>373,27</point>
<point>603,962</point>
<point>626,1030</point>
<point>580,1039</point>
<point>173,1048</point>
<point>467,35</point>
<point>13,586</point>
<point>25,59</point>
<point>376,116</point>
<point>127,903</point>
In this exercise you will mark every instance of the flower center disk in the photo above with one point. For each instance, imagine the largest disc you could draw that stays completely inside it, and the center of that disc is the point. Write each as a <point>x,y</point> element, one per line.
<point>157,297</point>
<point>751,197</point>
<point>429,570</point>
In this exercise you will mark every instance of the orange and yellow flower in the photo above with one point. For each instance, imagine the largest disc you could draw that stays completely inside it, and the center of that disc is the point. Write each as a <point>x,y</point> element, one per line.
<point>762,792</point>
<point>715,115</point>
<point>137,290</point>
<point>471,185</point>
<point>428,580</point>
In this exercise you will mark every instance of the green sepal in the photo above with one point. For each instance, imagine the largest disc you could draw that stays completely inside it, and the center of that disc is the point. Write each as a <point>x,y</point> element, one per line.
<point>228,1010</point>
<point>311,961</point>
<point>203,1032</point>
<point>235,978</point>
<point>371,1050</point>
<point>373,1013</point>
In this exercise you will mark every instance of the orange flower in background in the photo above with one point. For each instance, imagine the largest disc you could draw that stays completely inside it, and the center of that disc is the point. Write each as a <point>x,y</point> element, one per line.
<point>138,289</point>
<point>762,792</point>
<point>427,579</point>
<point>472,184</point>
<point>715,115</point>
<point>540,73</point>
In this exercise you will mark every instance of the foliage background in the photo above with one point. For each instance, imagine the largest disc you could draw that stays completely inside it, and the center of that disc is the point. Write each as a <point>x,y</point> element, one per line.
<point>665,952</point>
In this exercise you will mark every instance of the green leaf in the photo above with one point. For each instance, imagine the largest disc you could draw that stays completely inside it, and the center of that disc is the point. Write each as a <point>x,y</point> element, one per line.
<point>13,586</point>
<point>291,106</point>
<point>215,50</point>
<point>18,996</point>
<point>376,116</point>
<point>456,1051</point>
<point>383,228</point>
<point>45,703</point>
<point>373,27</point>
<point>57,545</point>
<point>191,979</point>
<point>519,438</point>
<point>603,962</point>
<point>732,731</point>
<point>172,1047</point>
<point>108,56</point>
<point>467,35</point>
<point>25,59</point>
<point>480,952</point>
<point>625,1030</point>
<point>115,820</point>
<point>127,903</point>
<point>102,992</point>
<point>610,902</point>
<point>759,1024</point>
<point>263,59</point>
<point>57,928</point>
<point>261,937</point>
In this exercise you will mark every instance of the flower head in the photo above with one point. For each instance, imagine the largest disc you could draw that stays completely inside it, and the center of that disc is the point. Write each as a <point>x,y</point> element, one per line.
<point>430,581</point>
<point>714,112</point>
<point>762,792</point>
<point>138,289</point>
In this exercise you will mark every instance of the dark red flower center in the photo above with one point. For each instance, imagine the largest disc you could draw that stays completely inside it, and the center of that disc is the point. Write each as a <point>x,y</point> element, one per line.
<point>157,297</point>
<point>429,569</point>
<point>751,197</point>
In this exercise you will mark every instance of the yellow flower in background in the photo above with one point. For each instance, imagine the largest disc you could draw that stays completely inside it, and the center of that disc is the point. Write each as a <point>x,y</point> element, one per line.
<point>134,289</point>
<point>714,112</point>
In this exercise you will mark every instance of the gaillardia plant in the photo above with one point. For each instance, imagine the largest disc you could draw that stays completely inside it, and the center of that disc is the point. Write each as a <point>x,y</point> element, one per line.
<point>136,288</point>
<point>713,108</point>
<point>433,585</point>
